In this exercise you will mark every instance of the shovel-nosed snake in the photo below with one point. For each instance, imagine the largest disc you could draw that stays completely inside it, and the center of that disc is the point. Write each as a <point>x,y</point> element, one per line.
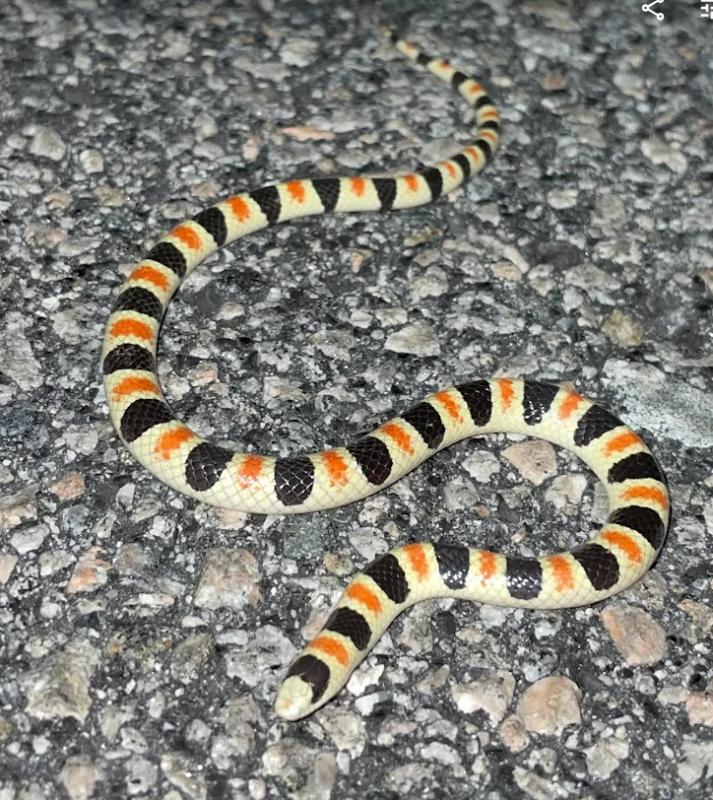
<point>619,554</point>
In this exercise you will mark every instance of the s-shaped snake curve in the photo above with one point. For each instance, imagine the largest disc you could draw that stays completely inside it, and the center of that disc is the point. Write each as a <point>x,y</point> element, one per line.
<point>612,560</point>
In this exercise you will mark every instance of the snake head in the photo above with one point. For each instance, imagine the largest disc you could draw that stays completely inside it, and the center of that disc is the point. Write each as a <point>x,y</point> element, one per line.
<point>294,699</point>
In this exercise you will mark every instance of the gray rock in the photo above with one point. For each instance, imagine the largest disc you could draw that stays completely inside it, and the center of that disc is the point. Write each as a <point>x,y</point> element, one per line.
<point>661,403</point>
<point>605,756</point>
<point>346,729</point>
<point>7,565</point>
<point>191,656</point>
<point>59,686</point>
<point>491,693</point>
<point>79,777</point>
<point>267,650</point>
<point>418,338</point>
<point>47,143</point>
<point>18,508</point>
<point>696,762</point>
<point>27,540</point>
<point>184,775</point>
<point>92,161</point>
<point>18,361</point>
<point>141,776</point>
<point>298,52</point>
<point>230,578</point>
<point>5,729</point>
<point>324,773</point>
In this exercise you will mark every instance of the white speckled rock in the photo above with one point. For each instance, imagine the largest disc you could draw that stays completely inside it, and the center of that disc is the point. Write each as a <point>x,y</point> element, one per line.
<point>562,198</point>
<point>660,152</point>
<point>92,161</point>
<point>433,283</point>
<point>346,729</point>
<point>443,754</point>
<point>47,143</point>
<point>322,777</point>
<point>418,339</point>
<point>265,648</point>
<point>298,52</point>
<point>481,465</point>
<point>605,756</point>
<point>697,760</point>
<point>141,776</point>
<point>660,403</point>
<point>538,787</point>
<point>27,540</point>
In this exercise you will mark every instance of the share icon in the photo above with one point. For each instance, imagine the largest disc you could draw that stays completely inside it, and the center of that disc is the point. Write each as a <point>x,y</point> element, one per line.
<point>647,7</point>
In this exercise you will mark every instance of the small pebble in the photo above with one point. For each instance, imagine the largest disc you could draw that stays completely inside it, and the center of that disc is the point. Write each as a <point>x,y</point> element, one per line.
<point>346,729</point>
<point>185,774</point>
<point>7,565</point>
<point>59,686</point>
<point>417,339</point>
<point>661,153</point>
<point>79,777</point>
<point>534,459</point>
<point>47,143</point>
<point>230,578</point>
<point>565,492</point>
<point>68,487</point>
<point>324,775</point>
<point>636,634</point>
<point>550,705</point>
<point>491,693</point>
<point>90,572</point>
<point>563,198</point>
<point>18,361</point>
<point>697,760</point>
<point>299,52</point>
<point>28,539</point>
<point>606,756</point>
<point>699,707</point>
<point>92,161</point>
<point>622,329</point>
<point>513,733</point>
<point>18,508</point>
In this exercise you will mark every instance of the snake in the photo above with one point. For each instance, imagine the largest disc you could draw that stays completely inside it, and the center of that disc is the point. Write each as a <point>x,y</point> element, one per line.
<point>617,556</point>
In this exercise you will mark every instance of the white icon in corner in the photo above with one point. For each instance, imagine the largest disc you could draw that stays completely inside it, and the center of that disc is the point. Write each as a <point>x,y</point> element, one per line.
<point>647,7</point>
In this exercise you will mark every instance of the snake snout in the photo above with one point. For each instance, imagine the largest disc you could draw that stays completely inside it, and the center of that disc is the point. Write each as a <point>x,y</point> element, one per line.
<point>294,699</point>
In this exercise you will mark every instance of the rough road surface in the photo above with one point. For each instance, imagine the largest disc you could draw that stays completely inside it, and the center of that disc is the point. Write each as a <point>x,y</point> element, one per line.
<point>142,636</point>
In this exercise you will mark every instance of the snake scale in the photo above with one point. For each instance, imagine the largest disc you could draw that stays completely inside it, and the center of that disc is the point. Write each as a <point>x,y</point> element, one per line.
<point>612,560</point>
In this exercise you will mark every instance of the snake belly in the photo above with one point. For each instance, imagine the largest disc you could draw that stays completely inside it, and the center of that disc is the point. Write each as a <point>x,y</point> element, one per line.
<point>638,497</point>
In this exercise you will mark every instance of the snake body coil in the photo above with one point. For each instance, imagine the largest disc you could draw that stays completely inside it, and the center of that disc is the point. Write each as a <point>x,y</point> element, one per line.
<point>614,559</point>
